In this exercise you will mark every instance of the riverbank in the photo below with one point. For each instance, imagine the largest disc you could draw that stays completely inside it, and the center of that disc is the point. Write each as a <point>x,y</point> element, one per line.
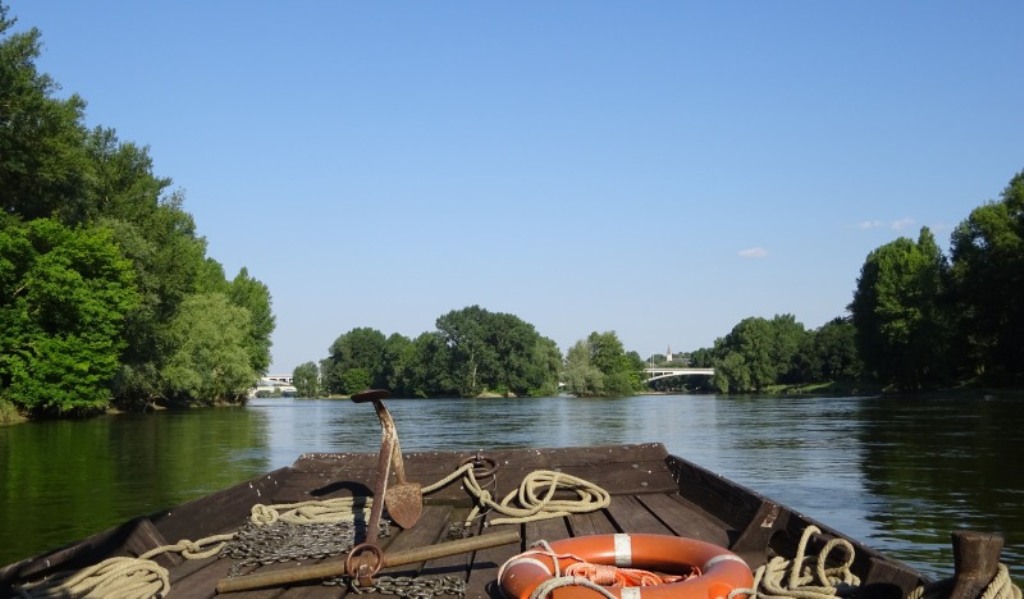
<point>962,391</point>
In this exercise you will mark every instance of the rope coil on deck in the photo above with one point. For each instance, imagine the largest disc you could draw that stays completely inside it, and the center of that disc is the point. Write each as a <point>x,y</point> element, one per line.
<point>535,496</point>
<point>340,509</point>
<point>805,576</point>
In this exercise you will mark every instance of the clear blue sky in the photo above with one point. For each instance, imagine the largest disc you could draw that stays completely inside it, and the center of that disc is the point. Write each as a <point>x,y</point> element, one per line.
<point>658,169</point>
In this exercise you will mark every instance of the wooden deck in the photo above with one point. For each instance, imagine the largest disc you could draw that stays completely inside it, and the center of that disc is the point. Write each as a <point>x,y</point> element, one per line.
<point>652,492</point>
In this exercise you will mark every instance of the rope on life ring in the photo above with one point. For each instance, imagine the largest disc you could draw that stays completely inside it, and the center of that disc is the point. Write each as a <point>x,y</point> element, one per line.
<point>536,573</point>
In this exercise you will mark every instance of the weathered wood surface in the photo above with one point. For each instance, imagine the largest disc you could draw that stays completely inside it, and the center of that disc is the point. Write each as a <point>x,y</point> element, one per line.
<point>652,492</point>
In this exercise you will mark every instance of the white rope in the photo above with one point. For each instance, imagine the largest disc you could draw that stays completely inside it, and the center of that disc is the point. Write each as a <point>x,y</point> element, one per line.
<point>803,577</point>
<point>341,509</point>
<point>533,500</point>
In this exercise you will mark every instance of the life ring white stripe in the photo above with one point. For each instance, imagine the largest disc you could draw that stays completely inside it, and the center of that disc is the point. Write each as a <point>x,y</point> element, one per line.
<point>526,561</point>
<point>630,593</point>
<point>725,557</point>
<point>623,550</point>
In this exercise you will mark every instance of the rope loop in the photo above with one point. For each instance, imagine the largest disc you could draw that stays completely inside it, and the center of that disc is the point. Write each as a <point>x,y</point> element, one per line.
<point>127,577</point>
<point>534,498</point>
<point>339,509</point>
<point>1001,587</point>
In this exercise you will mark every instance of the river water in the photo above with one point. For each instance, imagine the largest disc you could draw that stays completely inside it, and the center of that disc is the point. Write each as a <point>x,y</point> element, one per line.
<point>899,475</point>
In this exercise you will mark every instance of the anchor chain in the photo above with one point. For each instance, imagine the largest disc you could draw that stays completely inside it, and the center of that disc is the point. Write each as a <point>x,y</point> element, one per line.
<point>255,545</point>
<point>408,587</point>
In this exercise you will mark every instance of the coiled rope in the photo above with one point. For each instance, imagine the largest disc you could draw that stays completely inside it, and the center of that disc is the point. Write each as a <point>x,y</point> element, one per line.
<point>1001,587</point>
<point>805,576</point>
<point>128,577</point>
<point>535,496</point>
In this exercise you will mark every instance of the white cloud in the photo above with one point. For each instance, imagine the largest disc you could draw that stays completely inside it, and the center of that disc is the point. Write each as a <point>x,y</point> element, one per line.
<point>895,225</point>
<point>757,252</point>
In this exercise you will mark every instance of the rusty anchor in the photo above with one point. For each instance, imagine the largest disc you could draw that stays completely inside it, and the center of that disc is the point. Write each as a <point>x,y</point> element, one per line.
<point>404,500</point>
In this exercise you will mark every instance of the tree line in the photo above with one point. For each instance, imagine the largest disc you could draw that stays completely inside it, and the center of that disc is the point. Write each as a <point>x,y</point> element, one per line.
<point>107,296</point>
<point>471,352</point>
<point>919,318</point>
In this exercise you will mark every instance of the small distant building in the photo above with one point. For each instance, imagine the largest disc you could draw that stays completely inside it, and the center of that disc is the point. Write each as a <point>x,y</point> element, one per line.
<point>668,354</point>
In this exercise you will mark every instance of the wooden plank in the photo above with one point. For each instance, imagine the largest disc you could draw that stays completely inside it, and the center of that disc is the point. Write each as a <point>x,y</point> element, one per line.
<point>220,512</point>
<point>187,583</point>
<point>674,513</point>
<point>592,523</point>
<point>454,565</point>
<point>131,538</point>
<point>644,465</point>
<point>629,515</point>
<point>729,502</point>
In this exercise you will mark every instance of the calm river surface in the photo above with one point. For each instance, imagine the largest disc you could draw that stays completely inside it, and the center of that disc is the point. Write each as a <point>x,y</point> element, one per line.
<point>896,474</point>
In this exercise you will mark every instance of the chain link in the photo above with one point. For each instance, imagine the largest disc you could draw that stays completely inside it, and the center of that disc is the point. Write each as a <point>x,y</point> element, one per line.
<point>256,545</point>
<point>425,587</point>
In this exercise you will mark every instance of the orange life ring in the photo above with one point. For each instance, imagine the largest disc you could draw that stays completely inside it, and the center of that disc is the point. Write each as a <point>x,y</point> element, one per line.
<point>721,570</point>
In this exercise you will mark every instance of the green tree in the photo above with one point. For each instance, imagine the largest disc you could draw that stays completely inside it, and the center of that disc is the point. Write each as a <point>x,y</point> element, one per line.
<point>43,163</point>
<point>246,292</point>
<point>898,312</point>
<point>600,366</point>
<point>702,358</point>
<point>63,297</point>
<point>306,379</point>
<point>757,353</point>
<point>834,348</point>
<point>581,377</point>
<point>470,359</point>
<point>732,374</point>
<point>52,166</point>
<point>542,371</point>
<point>987,264</point>
<point>396,361</point>
<point>211,361</point>
<point>427,373</point>
<point>363,349</point>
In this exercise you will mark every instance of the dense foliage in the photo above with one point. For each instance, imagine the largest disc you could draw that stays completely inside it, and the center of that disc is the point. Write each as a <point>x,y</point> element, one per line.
<point>107,296</point>
<point>472,352</point>
<point>924,320</point>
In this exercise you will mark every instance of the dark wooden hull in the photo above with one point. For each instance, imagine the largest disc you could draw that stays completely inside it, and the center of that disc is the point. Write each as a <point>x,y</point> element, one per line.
<point>652,492</point>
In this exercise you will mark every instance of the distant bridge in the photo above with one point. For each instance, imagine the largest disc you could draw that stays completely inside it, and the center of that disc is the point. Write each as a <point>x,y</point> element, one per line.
<point>654,374</point>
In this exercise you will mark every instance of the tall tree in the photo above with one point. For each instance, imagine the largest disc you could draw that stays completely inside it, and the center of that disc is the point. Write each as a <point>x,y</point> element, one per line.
<point>600,366</point>
<point>210,362</point>
<point>987,257</point>
<point>582,378</point>
<point>306,379</point>
<point>246,292</point>
<point>471,360</point>
<point>44,166</point>
<point>757,353</point>
<point>898,312</point>
<point>834,346</point>
<point>360,349</point>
